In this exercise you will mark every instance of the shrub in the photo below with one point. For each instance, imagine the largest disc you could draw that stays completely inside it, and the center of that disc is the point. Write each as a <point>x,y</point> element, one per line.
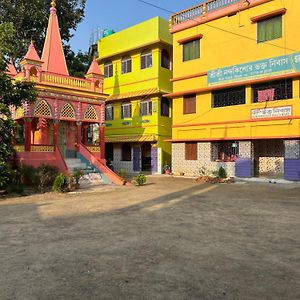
<point>77,174</point>
<point>28,175</point>
<point>60,183</point>
<point>46,175</point>
<point>15,188</point>
<point>5,174</point>
<point>222,173</point>
<point>140,179</point>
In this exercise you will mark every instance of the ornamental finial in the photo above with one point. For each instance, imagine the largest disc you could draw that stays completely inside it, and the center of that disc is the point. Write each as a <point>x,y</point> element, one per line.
<point>52,8</point>
<point>53,4</point>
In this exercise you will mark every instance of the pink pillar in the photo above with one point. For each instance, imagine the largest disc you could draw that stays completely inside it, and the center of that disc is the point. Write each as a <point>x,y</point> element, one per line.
<point>102,141</point>
<point>85,134</point>
<point>27,132</point>
<point>79,128</point>
<point>55,133</point>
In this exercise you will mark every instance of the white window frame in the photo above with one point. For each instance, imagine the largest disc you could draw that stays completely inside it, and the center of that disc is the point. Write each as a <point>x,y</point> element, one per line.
<point>126,110</point>
<point>126,65</point>
<point>108,69</point>
<point>146,59</point>
<point>146,107</point>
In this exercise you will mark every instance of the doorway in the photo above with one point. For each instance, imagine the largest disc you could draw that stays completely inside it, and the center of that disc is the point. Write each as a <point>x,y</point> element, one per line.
<point>146,156</point>
<point>269,158</point>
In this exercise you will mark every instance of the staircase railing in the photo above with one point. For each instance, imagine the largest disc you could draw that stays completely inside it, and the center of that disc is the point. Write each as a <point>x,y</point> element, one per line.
<point>100,166</point>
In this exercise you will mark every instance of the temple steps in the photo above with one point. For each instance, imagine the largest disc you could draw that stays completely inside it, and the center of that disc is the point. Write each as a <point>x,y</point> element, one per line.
<point>91,174</point>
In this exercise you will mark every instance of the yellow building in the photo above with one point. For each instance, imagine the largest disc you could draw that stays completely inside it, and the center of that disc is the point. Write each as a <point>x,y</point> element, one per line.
<point>136,63</point>
<point>236,88</point>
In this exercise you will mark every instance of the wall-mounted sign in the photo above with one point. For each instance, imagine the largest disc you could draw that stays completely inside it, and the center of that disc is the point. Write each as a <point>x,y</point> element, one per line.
<point>272,112</point>
<point>107,124</point>
<point>258,69</point>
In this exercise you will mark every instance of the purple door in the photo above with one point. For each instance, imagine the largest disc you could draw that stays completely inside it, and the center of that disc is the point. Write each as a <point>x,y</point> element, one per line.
<point>136,159</point>
<point>154,159</point>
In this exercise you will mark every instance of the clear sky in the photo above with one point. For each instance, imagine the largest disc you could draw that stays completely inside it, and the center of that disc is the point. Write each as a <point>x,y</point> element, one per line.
<point>120,14</point>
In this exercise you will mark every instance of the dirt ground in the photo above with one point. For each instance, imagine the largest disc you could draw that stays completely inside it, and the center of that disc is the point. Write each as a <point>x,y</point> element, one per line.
<point>171,239</point>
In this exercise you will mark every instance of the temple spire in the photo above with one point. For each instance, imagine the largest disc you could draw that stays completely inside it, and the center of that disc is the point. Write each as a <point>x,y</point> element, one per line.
<point>53,54</point>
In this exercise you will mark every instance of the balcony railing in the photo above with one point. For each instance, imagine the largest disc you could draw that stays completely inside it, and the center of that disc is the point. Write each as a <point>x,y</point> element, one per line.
<point>60,80</point>
<point>199,10</point>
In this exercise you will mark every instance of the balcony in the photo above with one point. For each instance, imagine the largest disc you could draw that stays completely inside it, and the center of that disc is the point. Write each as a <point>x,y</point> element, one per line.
<point>66,82</point>
<point>200,10</point>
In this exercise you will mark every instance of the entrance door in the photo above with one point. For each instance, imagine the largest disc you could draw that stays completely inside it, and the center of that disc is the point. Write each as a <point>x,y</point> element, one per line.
<point>146,157</point>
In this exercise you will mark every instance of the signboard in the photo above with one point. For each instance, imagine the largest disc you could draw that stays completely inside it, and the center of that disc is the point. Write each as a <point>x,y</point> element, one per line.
<point>272,66</point>
<point>272,112</point>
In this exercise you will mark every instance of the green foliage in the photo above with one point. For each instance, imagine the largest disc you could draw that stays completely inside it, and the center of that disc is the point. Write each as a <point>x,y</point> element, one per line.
<point>5,174</point>
<point>139,179</point>
<point>222,173</point>
<point>60,183</point>
<point>46,175</point>
<point>30,20</point>
<point>77,174</point>
<point>78,64</point>
<point>28,175</point>
<point>15,188</point>
<point>122,173</point>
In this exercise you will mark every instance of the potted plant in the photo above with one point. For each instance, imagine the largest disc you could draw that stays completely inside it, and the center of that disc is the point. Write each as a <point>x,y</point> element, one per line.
<point>167,169</point>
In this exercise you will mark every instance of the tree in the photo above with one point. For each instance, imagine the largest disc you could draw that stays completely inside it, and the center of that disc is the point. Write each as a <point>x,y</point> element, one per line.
<point>30,19</point>
<point>78,64</point>
<point>12,93</point>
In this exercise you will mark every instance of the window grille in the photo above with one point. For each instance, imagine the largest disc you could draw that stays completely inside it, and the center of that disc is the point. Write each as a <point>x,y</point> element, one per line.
<point>90,113</point>
<point>67,111</point>
<point>42,109</point>
<point>225,151</point>
<point>283,89</point>
<point>229,97</point>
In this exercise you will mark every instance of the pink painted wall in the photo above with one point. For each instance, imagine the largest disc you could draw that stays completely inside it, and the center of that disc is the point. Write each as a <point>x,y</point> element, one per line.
<point>36,159</point>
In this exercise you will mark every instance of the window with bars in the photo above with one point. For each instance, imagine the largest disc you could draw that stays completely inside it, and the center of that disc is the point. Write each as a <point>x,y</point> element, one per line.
<point>108,69</point>
<point>109,112</point>
<point>146,59</point>
<point>224,151</point>
<point>191,151</point>
<point>146,107</point>
<point>126,152</point>
<point>165,107</point>
<point>189,104</point>
<point>280,90</point>
<point>126,110</point>
<point>165,59</point>
<point>126,65</point>
<point>229,97</point>
<point>269,29</point>
<point>191,50</point>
